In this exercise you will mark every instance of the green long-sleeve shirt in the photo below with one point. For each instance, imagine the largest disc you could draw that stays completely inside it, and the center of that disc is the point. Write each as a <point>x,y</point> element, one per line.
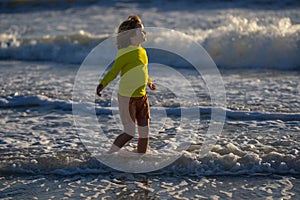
<point>132,62</point>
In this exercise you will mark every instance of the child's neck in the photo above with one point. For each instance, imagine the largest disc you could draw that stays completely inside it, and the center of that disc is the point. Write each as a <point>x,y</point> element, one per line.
<point>136,45</point>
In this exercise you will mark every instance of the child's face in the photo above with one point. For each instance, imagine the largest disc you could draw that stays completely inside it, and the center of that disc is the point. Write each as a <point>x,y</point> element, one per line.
<point>140,36</point>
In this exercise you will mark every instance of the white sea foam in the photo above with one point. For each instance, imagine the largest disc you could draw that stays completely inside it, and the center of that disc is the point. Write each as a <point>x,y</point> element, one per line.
<point>44,103</point>
<point>214,163</point>
<point>259,139</point>
<point>65,48</point>
<point>246,155</point>
<point>234,38</point>
<point>242,44</point>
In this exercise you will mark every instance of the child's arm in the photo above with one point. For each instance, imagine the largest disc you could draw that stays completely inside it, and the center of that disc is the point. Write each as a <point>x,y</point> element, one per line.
<point>111,75</point>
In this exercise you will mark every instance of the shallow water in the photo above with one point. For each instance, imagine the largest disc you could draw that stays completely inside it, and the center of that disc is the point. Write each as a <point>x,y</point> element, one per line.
<point>37,123</point>
<point>128,186</point>
<point>255,44</point>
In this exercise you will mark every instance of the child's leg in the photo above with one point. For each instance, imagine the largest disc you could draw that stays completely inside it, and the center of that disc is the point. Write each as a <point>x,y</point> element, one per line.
<point>123,138</point>
<point>143,130</point>
<point>142,145</point>
<point>120,141</point>
<point>128,124</point>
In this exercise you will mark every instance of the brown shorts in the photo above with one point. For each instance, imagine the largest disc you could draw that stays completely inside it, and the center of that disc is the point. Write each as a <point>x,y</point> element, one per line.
<point>135,107</point>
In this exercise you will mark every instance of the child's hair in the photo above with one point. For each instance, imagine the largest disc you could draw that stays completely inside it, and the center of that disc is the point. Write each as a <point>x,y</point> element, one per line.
<point>123,38</point>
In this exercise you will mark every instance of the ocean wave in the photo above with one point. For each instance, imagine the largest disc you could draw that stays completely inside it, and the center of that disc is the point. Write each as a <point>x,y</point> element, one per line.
<point>71,48</point>
<point>232,160</point>
<point>247,43</point>
<point>34,101</point>
<point>242,44</point>
<point>46,103</point>
<point>221,160</point>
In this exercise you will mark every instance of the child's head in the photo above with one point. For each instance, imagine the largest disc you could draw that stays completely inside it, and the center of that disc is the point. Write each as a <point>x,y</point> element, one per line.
<point>134,37</point>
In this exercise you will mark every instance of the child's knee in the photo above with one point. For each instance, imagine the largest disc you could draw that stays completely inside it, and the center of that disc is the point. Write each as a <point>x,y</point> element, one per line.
<point>129,129</point>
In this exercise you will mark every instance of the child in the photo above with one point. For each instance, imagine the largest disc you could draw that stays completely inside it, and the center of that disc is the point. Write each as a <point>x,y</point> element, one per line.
<point>132,62</point>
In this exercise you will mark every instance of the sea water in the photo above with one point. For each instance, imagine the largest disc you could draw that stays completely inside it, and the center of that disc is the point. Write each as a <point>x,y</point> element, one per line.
<point>255,45</point>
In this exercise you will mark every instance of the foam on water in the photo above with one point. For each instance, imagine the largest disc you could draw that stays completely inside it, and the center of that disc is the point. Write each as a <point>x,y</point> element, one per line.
<point>63,48</point>
<point>260,137</point>
<point>38,134</point>
<point>236,45</point>
<point>45,103</point>
<point>222,160</point>
<point>46,152</point>
<point>235,38</point>
<point>247,43</point>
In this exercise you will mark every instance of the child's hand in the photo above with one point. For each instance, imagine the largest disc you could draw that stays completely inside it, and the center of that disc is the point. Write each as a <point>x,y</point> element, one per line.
<point>152,86</point>
<point>99,89</point>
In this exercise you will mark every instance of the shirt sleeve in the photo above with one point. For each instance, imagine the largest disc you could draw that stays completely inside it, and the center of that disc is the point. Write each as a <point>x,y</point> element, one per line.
<point>113,72</point>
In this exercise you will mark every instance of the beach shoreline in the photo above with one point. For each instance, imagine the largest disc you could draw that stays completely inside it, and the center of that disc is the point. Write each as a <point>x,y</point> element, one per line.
<point>44,154</point>
<point>132,186</point>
